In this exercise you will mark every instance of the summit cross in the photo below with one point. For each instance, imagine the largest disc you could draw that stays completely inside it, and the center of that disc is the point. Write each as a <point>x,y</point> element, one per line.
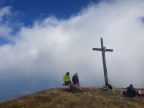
<point>103,50</point>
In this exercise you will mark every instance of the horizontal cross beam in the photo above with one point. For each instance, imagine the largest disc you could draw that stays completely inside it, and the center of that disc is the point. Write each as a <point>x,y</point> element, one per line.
<point>103,49</point>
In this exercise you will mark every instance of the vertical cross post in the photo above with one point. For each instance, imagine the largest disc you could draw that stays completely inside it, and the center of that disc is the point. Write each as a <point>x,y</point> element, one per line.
<point>103,50</point>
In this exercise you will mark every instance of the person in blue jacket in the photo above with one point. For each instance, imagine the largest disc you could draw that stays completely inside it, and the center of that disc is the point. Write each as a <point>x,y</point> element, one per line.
<point>75,80</point>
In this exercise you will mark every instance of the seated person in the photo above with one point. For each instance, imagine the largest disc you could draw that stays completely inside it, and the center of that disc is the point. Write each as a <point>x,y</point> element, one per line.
<point>140,93</point>
<point>130,92</point>
<point>67,80</point>
<point>75,80</point>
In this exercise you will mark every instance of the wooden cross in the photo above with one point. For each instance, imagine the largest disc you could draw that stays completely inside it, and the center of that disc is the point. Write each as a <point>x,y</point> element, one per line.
<point>103,50</point>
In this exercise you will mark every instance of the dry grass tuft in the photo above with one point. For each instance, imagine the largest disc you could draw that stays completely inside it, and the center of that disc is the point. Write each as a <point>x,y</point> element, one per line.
<point>88,98</point>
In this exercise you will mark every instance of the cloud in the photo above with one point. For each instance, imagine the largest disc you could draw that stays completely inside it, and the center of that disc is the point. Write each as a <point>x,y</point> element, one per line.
<point>9,24</point>
<point>4,29</point>
<point>43,52</point>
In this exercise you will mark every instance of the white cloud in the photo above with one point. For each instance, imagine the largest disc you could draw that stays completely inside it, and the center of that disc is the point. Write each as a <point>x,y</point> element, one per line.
<point>4,28</point>
<point>5,11</point>
<point>52,47</point>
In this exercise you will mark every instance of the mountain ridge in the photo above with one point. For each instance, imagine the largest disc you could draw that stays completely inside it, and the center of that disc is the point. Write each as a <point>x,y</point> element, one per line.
<point>89,97</point>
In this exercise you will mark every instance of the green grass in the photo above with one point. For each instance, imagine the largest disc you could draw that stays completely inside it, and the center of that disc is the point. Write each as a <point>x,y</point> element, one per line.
<point>88,98</point>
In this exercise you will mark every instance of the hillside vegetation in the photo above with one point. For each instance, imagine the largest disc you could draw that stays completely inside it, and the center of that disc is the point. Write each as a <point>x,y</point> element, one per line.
<point>88,98</point>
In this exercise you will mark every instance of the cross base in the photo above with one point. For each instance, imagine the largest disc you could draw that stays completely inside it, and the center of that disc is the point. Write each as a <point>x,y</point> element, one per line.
<point>107,87</point>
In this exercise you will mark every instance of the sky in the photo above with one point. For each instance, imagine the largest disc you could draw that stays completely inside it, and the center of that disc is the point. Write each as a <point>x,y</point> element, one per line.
<point>41,40</point>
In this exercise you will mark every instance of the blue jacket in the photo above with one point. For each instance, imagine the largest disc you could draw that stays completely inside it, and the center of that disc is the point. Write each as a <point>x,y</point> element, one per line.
<point>75,79</point>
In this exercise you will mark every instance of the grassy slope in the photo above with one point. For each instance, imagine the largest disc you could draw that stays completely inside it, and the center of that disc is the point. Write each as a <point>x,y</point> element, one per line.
<point>88,98</point>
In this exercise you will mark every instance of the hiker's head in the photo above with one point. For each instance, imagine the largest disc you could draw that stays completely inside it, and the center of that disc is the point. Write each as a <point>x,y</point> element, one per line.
<point>131,85</point>
<point>76,73</point>
<point>67,73</point>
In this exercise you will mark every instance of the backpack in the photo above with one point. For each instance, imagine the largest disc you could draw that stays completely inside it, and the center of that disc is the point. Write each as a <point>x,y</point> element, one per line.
<point>74,88</point>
